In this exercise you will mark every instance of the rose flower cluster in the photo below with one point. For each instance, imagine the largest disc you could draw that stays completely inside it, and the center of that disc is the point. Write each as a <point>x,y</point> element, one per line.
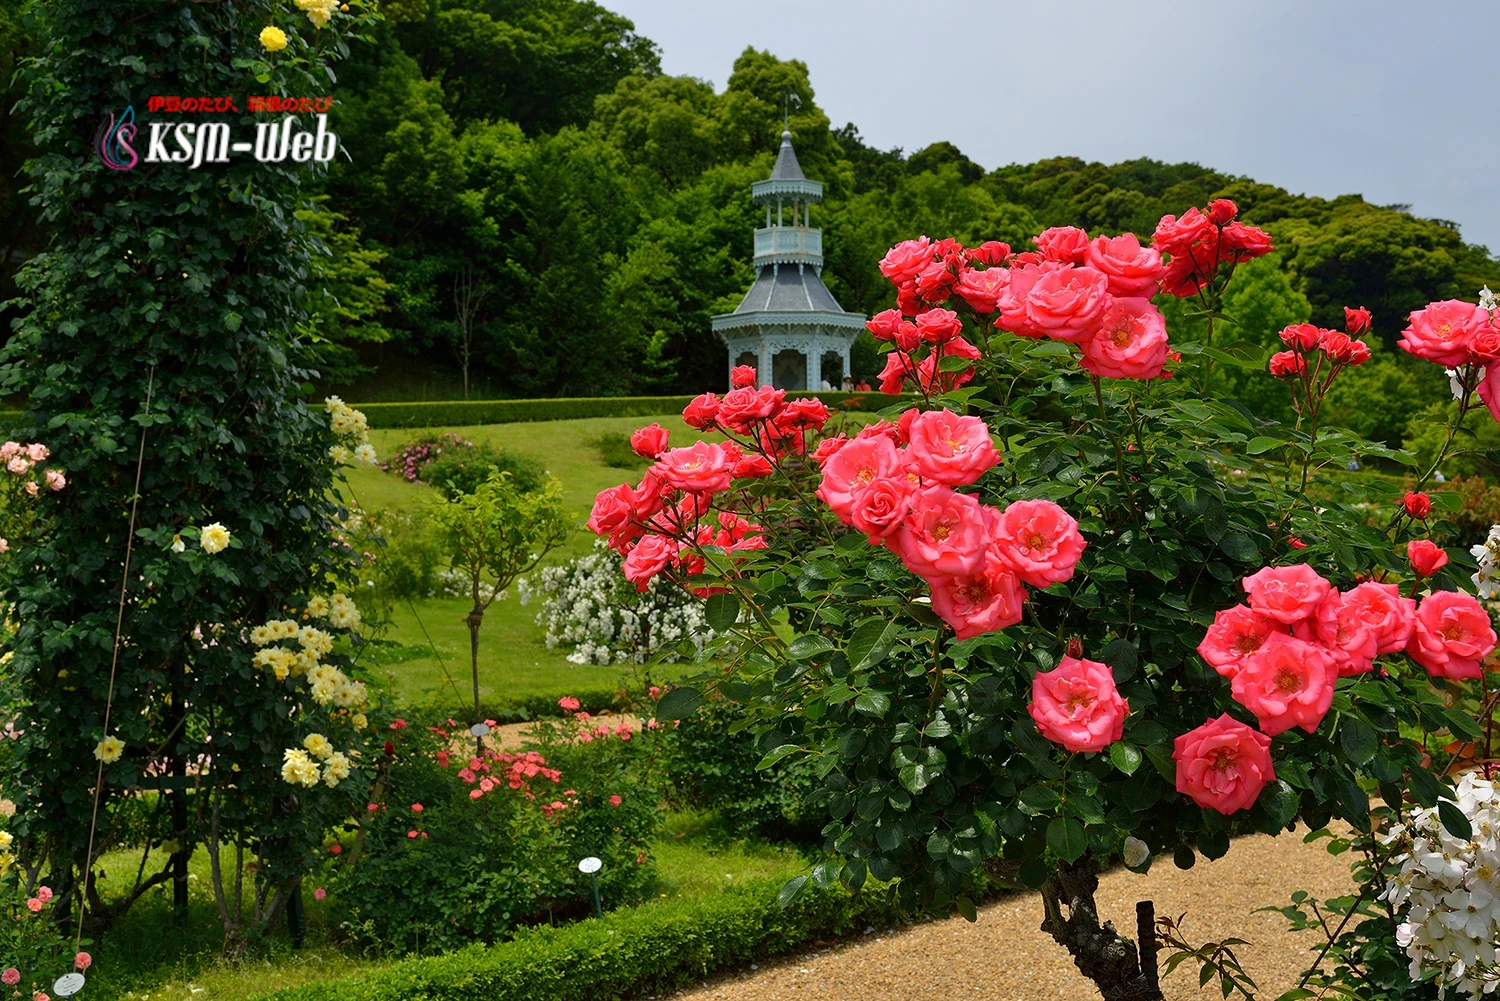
<point>1314,356</point>
<point>665,520</point>
<point>895,483</point>
<point>1463,338</point>
<point>1286,650</point>
<point>1095,293</point>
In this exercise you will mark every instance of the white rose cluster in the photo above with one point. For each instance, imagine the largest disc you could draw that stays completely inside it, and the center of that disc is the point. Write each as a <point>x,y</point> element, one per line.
<point>1487,555</point>
<point>1450,890</point>
<point>588,604</point>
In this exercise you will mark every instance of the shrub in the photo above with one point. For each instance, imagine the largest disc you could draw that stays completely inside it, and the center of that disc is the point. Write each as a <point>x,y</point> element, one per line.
<point>455,465</point>
<point>615,450</point>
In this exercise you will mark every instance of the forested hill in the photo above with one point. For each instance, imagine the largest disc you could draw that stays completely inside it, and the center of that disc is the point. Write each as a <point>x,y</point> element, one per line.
<point>532,153</point>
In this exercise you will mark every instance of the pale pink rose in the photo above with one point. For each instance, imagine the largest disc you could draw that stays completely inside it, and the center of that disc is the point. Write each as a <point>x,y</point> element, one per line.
<point>4,546</point>
<point>1068,303</point>
<point>1063,244</point>
<point>82,961</point>
<point>1389,617</point>
<point>702,468</point>
<point>1038,540</point>
<point>44,894</point>
<point>881,507</point>
<point>320,893</point>
<point>1131,342</point>
<point>1236,633</point>
<point>37,452</point>
<point>1287,682</point>
<point>650,557</point>
<point>988,599</point>
<point>18,465</point>
<point>852,468</point>
<point>943,534</point>
<point>1287,594</point>
<point>903,262</point>
<point>1440,333</point>
<point>9,450</point>
<point>56,480</point>
<point>32,489</point>
<point>947,448</point>
<point>10,977</point>
<point>1223,764</point>
<point>1452,636</point>
<point>1132,270</point>
<point>1077,705</point>
<point>649,442</point>
<point>982,289</point>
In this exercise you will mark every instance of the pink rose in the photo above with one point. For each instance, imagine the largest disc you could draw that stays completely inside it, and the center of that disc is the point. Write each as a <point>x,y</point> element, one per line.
<point>38,452</point>
<point>615,800</point>
<point>82,961</point>
<point>903,262</point>
<point>742,377</point>
<point>9,450</point>
<point>1239,242</point>
<point>828,447</point>
<point>1011,301</point>
<point>741,409</point>
<point>1222,210</point>
<point>852,468</point>
<point>897,370</point>
<point>1287,594</point>
<point>1489,390</point>
<point>1441,332</point>
<point>943,534</point>
<point>752,467</point>
<point>988,599</point>
<point>935,281</point>
<point>1068,303</point>
<point>320,894</point>
<point>1426,557</point>
<point>1301,336</point>
<point>1287,363</point>
<point>56,480</point>
<point>947,448</point>
<point>1356,321</point>
<point>1236,633</point>
<point>939,326</point>
<point>649,442</point>
<point>10,977</point>
<point>44,894</point>
<point>1130,269</point>
<point>885,325</point>
<point>989,253</point>
<point>881,507</point>
<point>1287,682</point>
<point>650,557</point>
<point>1077,705</point>
<point>613,515</point>
<point>702,468</point>
<point>1389,617</point>
<point>701,412</point>
<point>1452,635</point>
<point>34,905</point>
<point>982,289</point>
<point>568,702</point>
<point>1063,244</point>
<point>1131,342</point>
<point>1038,540</point>
<point>1223,764</point>
<point>18,465</point>
<point>1177,236</point>
<point>1349,639</point>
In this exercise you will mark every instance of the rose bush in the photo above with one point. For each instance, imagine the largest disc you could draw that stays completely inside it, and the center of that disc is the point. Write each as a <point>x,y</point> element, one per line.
<point>1008,627</point>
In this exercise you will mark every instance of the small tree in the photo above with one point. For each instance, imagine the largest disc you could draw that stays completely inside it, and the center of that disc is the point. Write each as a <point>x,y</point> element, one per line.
<point>494,535</point>
<point>469,293</point>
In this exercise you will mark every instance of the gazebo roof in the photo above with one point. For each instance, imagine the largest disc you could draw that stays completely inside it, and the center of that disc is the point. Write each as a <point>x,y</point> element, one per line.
<point>787,168</point>
<point>787,179</point>
<point>789,295</point>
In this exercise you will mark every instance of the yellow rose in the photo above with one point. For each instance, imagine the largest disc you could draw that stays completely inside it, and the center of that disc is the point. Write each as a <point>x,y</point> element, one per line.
<point>109,750</point>
<point>214,538</point>
<point>273,38</point>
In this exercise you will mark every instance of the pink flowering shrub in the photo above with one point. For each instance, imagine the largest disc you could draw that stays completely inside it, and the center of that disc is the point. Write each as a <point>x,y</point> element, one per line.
<point>33,951</point>
<point>1069,598</point>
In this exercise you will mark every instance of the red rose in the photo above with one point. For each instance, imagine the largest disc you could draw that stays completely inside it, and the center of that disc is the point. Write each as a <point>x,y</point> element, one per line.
<point>895,373</point>
<point>742,376</point>
<point>1222,210</point>
<point>1238,242</point>
<point>649,442</point>
<point>1336,345</point>
<point>1301,336</point>
<point>1426,557</point>
<point>1287,363</point>
<point>1356,321</point>
<point>886,324</point>
<point>1063,244</point>
<point>1175,236</point>
<point>939,326</point>
<point>614,516</point>
<point>935,281</point>
<point>949,448</point>
<point>1484,342</point>
<point>1419,506</point>
<point>700,413</point>
<point>1359,353</point>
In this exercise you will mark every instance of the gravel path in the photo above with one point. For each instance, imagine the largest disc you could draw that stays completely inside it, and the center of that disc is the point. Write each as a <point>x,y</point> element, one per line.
<point>1004,957</point>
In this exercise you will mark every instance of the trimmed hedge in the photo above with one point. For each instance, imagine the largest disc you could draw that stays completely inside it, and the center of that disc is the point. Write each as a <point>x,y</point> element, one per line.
<point>650,949</point>
<point>11,418</point>
<point>516,708</point>
<point>462,413</point>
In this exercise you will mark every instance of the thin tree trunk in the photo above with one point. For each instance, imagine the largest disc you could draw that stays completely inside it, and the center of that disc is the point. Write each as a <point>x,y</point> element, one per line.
<point>1101,953</point>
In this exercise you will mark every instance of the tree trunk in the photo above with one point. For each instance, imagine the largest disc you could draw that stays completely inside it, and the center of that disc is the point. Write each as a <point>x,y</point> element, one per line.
<point>474,619</point>
<point>1102,954</point>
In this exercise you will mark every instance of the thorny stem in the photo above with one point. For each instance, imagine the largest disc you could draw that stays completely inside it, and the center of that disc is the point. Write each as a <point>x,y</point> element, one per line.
<point>1135,511</point>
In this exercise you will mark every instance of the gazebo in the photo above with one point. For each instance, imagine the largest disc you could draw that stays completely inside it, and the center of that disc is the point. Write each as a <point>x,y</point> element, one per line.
<point>789,325</point>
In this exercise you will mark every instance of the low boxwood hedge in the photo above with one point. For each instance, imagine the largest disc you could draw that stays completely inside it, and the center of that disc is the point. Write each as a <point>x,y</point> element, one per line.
<point>650,949</point>
<point>515,708</point>
<point>463,413</point>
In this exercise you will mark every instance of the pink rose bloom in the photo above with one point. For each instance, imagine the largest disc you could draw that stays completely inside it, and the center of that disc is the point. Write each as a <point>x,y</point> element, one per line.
<point>1302,336</point>
<point>1012,299</point>
<point>1131,270</point>
<point>1287,682</point>
<point>982,289</point>
<point>1223,764</point>
<point>34,905</point>
<point>1452,636</point>
<point>56,480</point>
<point>903,262</point>
<point>320,893</point>
<point>1063,244</point>
<point>1389,617</point>
<point>4,546</point>
<point>752,467</point>
<point>9,450</point>
<point>1356,321</point>
<point>742,376</point>
<point>11,976</point>
<point>1068,303</point>
<point>741,409</point>
<point>44,894</point>
<point>702,468</point>
<point>18,465</point>
<point>880,508</point>
<point>37,452</point>
<point>828,446</point>
<point>1287,363</point>
<point>649,442</point>
<point>1489,390</point>
<point>1176,236</point>
<point>41,996</point>
<point>1236,633</point>
<point>853,468</point>
<point>614,515</point>
<point>947,448</point>
<point>939,326</point>
<point>1426,557</point>
<point>943,534</point>
<point>1286,594</point>
<point>650,557</point>
<point>82,961</point>
<point>701,412</point>
<point>981,602</point>
<point>1038,540</point>
<point>1441,332</point>
<point>615,800</point>
<point>1239,242</point>
<point>1131,342</point>
<point>1350,640</point>
<point>32,488</point>
<point>887,324</point>
<point>568,702</point>
<point>1077,705</point>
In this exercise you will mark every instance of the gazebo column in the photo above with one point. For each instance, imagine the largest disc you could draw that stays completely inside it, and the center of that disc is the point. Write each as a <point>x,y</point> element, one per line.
<point>844,354</point>
<point>763,374</point>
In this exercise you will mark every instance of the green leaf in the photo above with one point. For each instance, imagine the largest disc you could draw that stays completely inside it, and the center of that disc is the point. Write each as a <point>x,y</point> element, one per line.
<point>1040,799</point>
<point>722,611</point>
<point>775,755</point>
<point>1121,657</point>
<point>1359,740</point>
<point>1239,546</point>
<point>1262,444</point>
<point>1279,800</point>
<point>871,642</point>
<point>1125,755</point>
<point>965,906</point>
<point>679,703</point>
<point>1067,837</point>
<point>790,890</point>
<point>809,645</point>
<point>1454,821</point>
<point>873,703</point>
<point>1296,994</point>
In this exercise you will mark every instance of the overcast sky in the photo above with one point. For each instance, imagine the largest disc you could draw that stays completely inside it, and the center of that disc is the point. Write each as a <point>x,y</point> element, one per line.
<point>1395,100</point>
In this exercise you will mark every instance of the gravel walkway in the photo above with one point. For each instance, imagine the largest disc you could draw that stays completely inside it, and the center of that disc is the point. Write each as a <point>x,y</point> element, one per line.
<point>1004,957</point>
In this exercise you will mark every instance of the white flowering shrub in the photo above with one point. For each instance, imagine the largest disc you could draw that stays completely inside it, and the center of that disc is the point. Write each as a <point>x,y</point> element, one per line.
<point>588,604</point>
<point>1449,886</point>
<point>1487,557</point>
